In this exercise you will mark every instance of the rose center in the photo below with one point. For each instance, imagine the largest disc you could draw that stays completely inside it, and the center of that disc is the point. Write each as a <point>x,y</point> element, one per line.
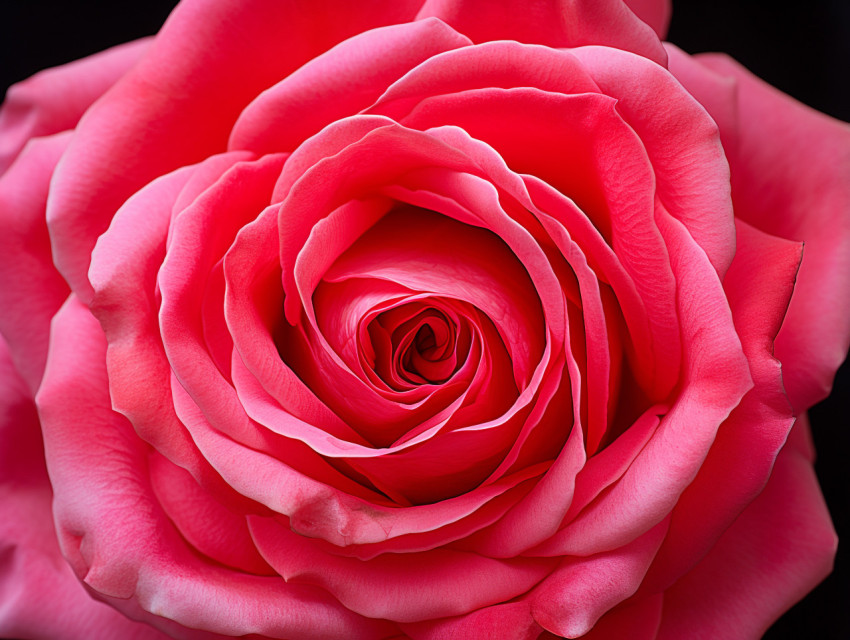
<point>415,344</point>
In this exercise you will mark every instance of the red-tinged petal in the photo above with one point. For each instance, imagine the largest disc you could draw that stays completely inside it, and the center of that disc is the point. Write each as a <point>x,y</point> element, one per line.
<point>318,510</point>
<point>396,157</point>
<point>243,193</point>
<point>544,124</point>
<point>539,514</point>
<point>716,92</point>
<point>207,525</point>
<point>558,213</point>
<point>170,110</point>
<point>484,510</point>
<point>339,83</point>
<point>716,377</point>
<point>636,619</point>
<point>115,534</point>
<point>533,195</point>
<point>554,23</point>
<point>614,189</point>
<point>775,552</point>
<point>32,289</point>
<point>400,587</point>
<point>682,142</point>
<point>510,621</point>
<point>790,168</point>
<point>502,64</point>
<point>758,285</point>
<point>35,577</point>
<point>293,371</point>
<point>428,252</point>
<point>206,175</point>
<point>607,466</point>
<point>655,13</point>
<point>124,268</point>
<point>597,333</point>
<point>581,590</point>
<point>53,100</point>
<point>284,475</point>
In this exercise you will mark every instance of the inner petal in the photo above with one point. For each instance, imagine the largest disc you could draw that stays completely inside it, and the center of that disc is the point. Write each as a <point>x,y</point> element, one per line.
<point>415,344</point>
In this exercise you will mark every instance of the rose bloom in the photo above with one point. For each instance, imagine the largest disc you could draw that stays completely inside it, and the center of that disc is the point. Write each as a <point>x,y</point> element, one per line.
<point>405,319</point>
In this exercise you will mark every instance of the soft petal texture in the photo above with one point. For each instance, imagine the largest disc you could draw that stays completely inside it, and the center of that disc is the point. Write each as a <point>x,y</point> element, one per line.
<point>40,595</point>
<point>339,83</point>
<point>250,45</point>
<point>692,176</point>
<point>636,619</point>
<point>790,168</point>
<point>554,23</point>
<point>759,285</point>
<point>581,590</point>
<point>26,264</point>
<point>116,536</point>
<point>510,621</point>
<point>53,100</point>
<point>655,13</point>
<point>777,550</point>
<point>379,333</point>
<point>716,378</point>
<point>383,588</point>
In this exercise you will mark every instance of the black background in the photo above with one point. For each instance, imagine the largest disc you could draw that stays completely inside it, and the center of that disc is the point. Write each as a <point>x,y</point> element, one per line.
<point>804,52</point>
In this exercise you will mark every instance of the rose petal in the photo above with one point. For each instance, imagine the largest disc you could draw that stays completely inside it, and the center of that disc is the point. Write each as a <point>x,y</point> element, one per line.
<point>510,621</point>
<point>802,195</point>
<point>716,377</point>
<point>655,13</point>
<point>115,534</point>
<point>304,396</point>
<point>759,285</point>
<point>635,619</point>
<point>432,253</point>
<point>502,64</point>
<point>207,525</point>
<point>124,267</point>
<point>32,289</point>
<point>691,171</point>
<point>339,83</point>
<point>581,590</point>
<point>621,208</point>
<point>53,100</point>
<point>35,576</point>
<point>554,23</point>
<point>138,131</point>
<point>382,587</point>
<point>776,551</point>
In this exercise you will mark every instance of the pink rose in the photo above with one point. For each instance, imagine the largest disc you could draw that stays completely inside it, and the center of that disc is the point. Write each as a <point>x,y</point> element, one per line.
<point>442,319</point>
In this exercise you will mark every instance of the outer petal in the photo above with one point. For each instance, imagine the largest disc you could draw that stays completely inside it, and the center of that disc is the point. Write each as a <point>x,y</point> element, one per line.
<point>774,553</point>
<point>581,590</point>
<point>54,99</point>
<point>655,13</point>
<point>715,379</point>
<point>691,172</point>
<point>759,285</point>
<point>171,109</point>
<point>554,23</point>
<point>32,290</point>
<point>34,577</point>
<point>509,621</point>
<point>339,83</point>
<point>118,539</point>
<point>635,619</point>
<point>791,178</point>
